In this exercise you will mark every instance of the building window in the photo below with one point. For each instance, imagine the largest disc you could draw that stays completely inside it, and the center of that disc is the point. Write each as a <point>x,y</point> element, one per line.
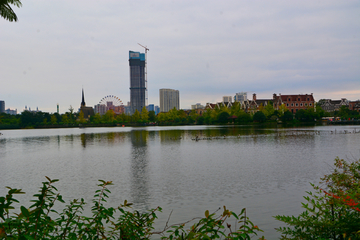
<point>296,104</point>
<point>299,99</point>
<point>301,104</point>
<point>287,104</point>
<point>310,104</point>
<point>305,104</point>
<point>308,99</point>
<point>296,110</point>
<point>289,99</point>
<point>292,104</point>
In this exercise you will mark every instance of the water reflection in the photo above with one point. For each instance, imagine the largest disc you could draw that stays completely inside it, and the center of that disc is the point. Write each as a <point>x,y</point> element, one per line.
<point>31,144</point>
<point>83,140</point>
<point>266,170</point>
<point>228,132</point>
<point>140,169</point>
<point>170,135</point>
<point>69,138</point>
<point>109,138</point>
<point>2,144</point>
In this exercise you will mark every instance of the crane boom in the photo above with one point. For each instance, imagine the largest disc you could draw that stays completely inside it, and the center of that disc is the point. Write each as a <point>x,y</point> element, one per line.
<point>146,91</point>
<point>146,49</point>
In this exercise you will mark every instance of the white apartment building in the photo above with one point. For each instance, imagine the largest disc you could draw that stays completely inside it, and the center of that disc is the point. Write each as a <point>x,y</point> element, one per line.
<point>197,106</point>
<point>227,99</point>
<point>169,98</point>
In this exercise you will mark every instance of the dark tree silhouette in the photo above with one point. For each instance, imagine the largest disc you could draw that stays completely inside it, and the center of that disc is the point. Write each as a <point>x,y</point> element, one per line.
<point>259,116</point>
<point>6,10</point>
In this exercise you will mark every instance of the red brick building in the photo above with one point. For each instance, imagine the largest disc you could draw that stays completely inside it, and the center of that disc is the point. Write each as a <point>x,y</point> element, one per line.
<point>294,102</point>
<point>354,106</point>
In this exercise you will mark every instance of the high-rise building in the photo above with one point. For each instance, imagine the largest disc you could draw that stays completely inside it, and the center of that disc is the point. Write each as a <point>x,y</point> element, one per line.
<point>169,98</point>
<point>197,106</point>
<point>157,110</point>
<point>240,97</point>
<point>227,99</point>
<point>150,107</point>
<point>137,81</point>
<point>2,106</point>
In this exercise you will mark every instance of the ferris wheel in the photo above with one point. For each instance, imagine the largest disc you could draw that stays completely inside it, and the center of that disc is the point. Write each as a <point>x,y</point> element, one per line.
<point>111,99</point>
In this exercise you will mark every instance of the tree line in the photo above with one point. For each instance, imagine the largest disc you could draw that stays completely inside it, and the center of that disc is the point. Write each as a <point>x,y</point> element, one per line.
<point>217,115</point>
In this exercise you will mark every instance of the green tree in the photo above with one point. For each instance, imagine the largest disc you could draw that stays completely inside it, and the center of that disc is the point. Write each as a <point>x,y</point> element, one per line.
<point>182,115</point>
<point>301,115</point>
<point>321,113</point>
<point>269,110</point>
<point>333,211</point>
<point>123,118</point>
<point>152,116</point>
<point>343,112</point>
<point>161,117</point>
<point>282,110</point>
<point>173,114</point>
<point>81,117</point>
<point>144,114</point>
<point>58,117</point>
<point>64,119</point>
<point>224,108</point>
<point>26,119</point>
<point>53,119</point>
<point>259,116</point>
<point>193,116</point>
<point>9,121</point>
<point>71,114</point>
<point>200,120</point>
<point>6,11</point>
<point>243,117</point>
<point>208,116</point>
<point>97,118</point>
<point>109,116</point>
<point>287,116</point>
<point>136,116</point>
<point>308,115</point>
<point>223,117</point>
<point>214,113</point>
<point>235,109</point>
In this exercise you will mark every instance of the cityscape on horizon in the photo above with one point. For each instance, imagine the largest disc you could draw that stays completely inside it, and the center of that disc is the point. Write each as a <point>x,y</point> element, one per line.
<point>168,98</point>
<point>295,48</point>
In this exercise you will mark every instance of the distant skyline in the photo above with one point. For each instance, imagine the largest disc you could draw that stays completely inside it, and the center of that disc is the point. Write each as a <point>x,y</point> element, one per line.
<point>204,49</point>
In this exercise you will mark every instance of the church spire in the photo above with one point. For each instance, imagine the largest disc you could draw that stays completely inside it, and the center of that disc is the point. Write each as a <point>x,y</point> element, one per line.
<point>83,99</point>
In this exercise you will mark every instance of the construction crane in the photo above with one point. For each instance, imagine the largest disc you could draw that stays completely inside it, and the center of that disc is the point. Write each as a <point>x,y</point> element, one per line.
<point>146,88</point>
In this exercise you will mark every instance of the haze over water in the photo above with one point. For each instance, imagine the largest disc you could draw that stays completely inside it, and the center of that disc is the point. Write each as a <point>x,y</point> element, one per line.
<point>266,170</point>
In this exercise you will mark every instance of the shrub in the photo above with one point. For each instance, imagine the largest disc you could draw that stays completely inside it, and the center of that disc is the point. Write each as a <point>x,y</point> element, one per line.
<point>332,212</point>
<point>41,221</point>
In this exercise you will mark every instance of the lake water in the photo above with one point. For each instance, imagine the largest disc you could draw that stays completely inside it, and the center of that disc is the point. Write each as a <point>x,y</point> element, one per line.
<point>266,170</point>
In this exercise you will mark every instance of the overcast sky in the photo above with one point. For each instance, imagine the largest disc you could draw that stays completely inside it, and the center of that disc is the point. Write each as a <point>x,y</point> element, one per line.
<point>205,49</point>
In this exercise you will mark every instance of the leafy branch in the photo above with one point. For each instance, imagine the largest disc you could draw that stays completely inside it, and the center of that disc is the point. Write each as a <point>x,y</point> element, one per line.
<point>36,222</point>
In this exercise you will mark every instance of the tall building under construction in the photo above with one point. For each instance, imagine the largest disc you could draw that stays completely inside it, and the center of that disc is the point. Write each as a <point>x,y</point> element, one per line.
<point>137,81</point>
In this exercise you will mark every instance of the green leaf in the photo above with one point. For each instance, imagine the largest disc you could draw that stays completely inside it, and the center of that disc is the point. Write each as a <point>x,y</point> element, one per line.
<point>25,211</point>
<point>207,213</point>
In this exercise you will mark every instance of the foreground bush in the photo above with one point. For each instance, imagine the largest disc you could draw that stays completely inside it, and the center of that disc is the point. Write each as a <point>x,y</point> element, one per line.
<point>333,211</point>
<point>41,221</point>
